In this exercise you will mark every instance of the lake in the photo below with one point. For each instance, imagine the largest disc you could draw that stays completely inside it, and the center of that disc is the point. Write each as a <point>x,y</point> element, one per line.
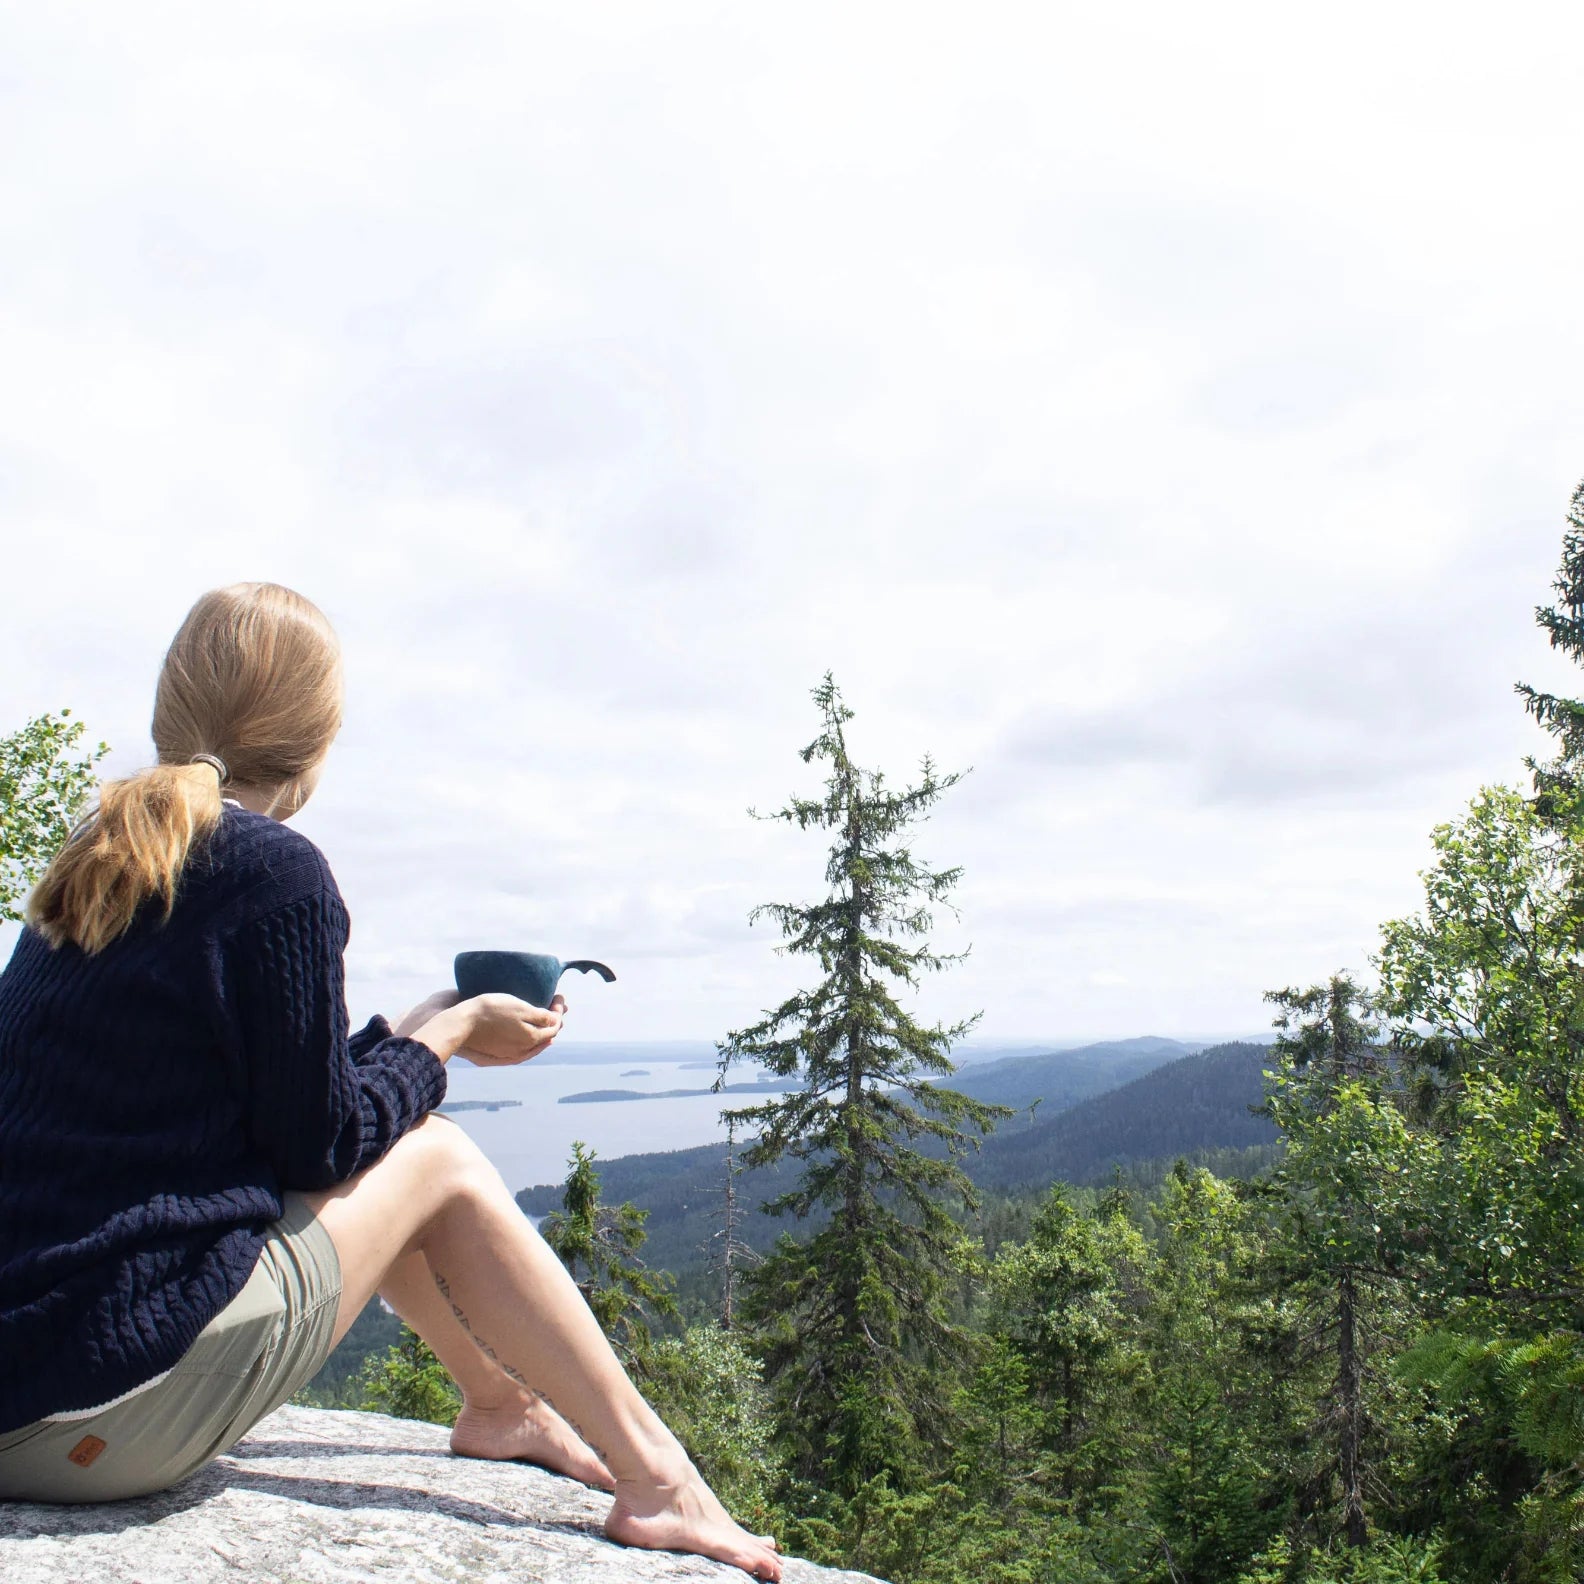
<point>532,1143</point>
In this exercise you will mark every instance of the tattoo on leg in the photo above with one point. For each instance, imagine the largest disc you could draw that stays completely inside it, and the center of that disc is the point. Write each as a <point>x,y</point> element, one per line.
<point>508,1370</point>
<point>445,1292</point>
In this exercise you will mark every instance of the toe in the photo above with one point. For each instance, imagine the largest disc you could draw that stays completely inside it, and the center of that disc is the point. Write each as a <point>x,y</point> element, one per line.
<point>759,1563</point>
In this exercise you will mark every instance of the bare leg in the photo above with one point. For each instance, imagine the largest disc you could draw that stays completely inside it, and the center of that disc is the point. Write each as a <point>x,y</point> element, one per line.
<point>435,1194</point>
<point>499,1418</point>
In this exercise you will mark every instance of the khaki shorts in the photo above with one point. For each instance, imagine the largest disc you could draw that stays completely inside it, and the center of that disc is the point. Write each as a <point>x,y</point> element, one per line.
<point>268,1341</point>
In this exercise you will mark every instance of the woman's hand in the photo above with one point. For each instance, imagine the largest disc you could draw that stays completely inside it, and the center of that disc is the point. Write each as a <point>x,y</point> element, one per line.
<point>488,1030</point>
<point>505,1031</point>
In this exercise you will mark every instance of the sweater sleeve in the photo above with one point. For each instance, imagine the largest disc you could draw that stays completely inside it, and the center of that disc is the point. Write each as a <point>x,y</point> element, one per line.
<point>322,1104</point>
<point>366,1038</point>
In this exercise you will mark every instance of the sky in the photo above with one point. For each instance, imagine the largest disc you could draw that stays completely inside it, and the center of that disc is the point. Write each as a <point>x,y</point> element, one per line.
<point>1167,414</point>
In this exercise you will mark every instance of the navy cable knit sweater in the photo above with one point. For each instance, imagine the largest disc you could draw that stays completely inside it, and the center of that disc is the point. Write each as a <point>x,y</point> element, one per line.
<point>155,1100</point>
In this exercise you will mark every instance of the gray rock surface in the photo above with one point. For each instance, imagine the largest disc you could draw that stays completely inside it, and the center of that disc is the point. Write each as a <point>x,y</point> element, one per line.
<point>315,1497</point>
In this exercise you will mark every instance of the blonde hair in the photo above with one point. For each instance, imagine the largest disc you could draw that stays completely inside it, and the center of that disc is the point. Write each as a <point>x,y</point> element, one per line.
<point>253,677</point>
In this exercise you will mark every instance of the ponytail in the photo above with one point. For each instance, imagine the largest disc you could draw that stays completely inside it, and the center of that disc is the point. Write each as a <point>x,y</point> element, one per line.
<point>131,849</point>
<point>253,678</point>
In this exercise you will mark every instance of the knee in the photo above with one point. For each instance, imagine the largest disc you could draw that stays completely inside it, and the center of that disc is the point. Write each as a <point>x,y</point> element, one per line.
<point>450,1161</point>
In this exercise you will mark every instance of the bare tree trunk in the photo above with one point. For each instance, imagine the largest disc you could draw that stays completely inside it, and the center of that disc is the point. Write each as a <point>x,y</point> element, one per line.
<point>728,1263</point>
<point>727,1252</point>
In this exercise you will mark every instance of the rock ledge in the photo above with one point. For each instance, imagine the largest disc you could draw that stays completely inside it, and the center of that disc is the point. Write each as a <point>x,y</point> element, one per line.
<point>316,1497</point>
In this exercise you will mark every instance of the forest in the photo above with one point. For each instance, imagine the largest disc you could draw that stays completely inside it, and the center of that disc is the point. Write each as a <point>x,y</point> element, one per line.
<point>1298,1313</point>
<point>1350,1352</point>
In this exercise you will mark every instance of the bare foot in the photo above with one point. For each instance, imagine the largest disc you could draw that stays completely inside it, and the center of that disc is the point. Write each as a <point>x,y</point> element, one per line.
<point>687,1516</point>
<point>528,1431</point>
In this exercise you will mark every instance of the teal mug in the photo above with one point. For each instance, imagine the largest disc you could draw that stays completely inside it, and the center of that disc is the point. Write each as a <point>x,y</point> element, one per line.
<point>530,976</point>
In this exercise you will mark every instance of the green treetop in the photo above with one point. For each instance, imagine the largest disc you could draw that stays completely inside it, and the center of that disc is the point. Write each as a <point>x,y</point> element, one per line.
<point>44,785</point>
<point>1067,1302</point>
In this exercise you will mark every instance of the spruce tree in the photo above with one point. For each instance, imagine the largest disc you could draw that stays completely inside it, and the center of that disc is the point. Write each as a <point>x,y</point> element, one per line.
<point>860,1343</point>
<point>1563,624</point>
<point>599,1245</point>
<point>1215,1422</point>
<point>1333,1095</point>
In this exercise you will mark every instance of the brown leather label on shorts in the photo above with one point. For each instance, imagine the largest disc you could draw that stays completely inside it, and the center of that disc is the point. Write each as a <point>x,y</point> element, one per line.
<point>86,1451</point>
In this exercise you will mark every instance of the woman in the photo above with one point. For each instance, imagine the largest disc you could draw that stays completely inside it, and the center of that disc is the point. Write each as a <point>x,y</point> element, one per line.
<point>204,1178</point>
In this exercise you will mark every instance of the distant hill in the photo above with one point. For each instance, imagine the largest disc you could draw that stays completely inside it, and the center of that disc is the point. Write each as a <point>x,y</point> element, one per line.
<point>1194,1106</point>
<point>1061,1078</point>
<point>1196,1103</point>
<point>976,1053</point>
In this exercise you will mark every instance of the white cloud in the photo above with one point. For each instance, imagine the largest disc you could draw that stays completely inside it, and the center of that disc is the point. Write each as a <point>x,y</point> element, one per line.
<point>1168,413</point>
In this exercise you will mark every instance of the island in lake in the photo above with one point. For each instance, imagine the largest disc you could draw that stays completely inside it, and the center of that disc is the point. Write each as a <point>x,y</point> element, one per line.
<point>601,1096</point>
<point>477,1105</point>
<point>636,1072</point>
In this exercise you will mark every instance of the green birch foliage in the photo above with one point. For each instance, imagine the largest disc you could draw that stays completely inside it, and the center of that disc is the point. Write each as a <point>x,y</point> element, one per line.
<point>1486,987</point>
<point>859,1341</point>
<point>599,1245</point>
<point>45,782</point>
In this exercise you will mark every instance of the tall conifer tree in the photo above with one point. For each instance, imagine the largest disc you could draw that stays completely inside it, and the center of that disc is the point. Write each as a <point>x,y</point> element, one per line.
<point>1563,624</point>
<point>1331,1094</point>
<point>860,1338</point>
